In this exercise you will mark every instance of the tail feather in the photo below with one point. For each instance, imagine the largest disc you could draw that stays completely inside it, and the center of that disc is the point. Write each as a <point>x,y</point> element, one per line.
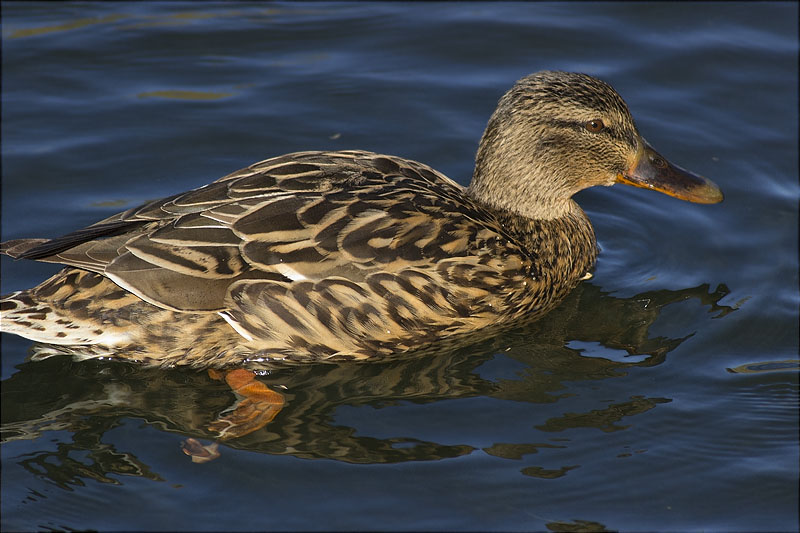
<point>65,310</point>
<point>46,248</point>
<point>19,247</point>
<point>38,321</point>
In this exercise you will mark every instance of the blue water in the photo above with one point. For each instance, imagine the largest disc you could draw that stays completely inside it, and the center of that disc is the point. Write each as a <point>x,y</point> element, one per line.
<point>661,396</point>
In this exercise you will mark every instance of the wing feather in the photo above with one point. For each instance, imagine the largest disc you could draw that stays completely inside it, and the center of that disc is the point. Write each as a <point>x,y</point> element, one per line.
<point>283,240</point>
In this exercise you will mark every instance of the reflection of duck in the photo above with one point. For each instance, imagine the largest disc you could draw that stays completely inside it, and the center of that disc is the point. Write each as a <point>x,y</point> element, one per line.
<point>330,255</point>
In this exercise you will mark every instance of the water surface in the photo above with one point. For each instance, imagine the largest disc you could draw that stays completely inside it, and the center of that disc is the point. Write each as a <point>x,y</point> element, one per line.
<point>661,395</point>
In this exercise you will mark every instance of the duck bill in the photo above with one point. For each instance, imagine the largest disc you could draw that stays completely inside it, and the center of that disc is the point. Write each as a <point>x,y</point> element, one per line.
<point>652,171</point>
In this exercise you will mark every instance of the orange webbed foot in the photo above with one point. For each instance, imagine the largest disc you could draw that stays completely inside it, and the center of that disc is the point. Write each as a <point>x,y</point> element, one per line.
<point>257,405</point>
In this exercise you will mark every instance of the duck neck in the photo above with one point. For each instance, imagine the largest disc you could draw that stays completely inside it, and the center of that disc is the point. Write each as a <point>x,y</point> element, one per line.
<point>515,173</point>
<point>521,196</point>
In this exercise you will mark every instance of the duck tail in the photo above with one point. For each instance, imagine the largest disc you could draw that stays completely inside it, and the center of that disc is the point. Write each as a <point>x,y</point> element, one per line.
<point>23,315</point>
<point>53,312</point>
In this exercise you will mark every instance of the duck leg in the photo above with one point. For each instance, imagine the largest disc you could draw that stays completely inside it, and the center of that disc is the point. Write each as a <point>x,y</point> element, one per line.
<point>255,407</point>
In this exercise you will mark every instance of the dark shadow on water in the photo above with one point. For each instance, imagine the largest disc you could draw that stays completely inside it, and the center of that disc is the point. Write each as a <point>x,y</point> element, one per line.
<point>89,398</point>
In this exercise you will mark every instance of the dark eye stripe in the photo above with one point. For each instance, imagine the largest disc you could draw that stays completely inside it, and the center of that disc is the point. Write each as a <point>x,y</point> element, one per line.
<point>624,135</point>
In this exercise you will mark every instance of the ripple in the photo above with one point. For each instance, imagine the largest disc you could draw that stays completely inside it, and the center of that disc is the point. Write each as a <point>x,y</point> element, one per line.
<point>767,366</point>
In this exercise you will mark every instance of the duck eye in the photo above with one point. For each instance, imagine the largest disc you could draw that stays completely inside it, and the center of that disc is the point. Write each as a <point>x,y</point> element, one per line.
<point>595,126</point>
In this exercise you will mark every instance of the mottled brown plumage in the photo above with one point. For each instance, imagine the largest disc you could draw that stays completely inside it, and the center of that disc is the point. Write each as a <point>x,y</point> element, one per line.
<point>348,255</point>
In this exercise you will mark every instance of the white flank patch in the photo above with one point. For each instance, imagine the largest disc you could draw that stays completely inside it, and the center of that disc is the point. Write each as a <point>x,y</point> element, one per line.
<point>289,272</point>
<point>235,325</point>
<point>110,339</point>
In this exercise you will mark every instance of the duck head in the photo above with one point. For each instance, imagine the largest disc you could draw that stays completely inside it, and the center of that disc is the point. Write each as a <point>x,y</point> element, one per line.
<point>556,133</point>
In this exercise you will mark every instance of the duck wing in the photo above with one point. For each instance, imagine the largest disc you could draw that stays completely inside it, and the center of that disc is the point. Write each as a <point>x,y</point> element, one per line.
<point>299,218</point>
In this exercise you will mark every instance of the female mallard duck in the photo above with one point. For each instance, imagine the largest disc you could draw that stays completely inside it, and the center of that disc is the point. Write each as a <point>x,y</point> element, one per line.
<point>349,255</point>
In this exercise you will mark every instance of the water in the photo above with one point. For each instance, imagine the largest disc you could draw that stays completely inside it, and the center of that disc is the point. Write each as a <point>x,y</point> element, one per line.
<point>657,397</point>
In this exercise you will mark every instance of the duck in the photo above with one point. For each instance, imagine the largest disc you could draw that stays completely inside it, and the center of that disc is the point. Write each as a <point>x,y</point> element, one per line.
<point>348,255</point>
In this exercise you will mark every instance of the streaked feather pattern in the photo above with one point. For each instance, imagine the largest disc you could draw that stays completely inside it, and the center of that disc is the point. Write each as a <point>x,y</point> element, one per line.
<point>310,255</point>
<point>348,255</point>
